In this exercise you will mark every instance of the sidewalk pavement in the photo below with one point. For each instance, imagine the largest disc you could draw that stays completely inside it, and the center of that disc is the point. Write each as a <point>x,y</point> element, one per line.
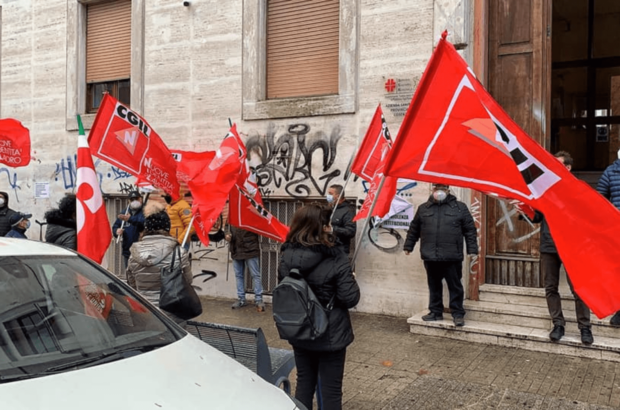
<point>388,367</point>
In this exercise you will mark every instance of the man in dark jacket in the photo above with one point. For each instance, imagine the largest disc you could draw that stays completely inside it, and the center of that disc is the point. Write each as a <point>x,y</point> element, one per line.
<point>609,187</point>
<point>19,224</point>
<point>441,223</point>
<point>61,223</point>
<point>130,224</point>
<point>5,213</point>
<point>244,251</point>
<point>550,264</point>
<point>342,220</point>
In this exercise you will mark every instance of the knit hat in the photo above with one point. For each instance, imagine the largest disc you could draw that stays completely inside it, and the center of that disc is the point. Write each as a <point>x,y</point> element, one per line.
<point>156,217</point>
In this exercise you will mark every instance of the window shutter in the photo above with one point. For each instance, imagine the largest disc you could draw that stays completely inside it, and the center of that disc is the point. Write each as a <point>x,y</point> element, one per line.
<point>108,41</point>
<point>302,47</point>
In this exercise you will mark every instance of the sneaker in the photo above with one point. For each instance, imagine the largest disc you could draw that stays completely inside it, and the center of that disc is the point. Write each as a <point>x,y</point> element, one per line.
<point>586,337</point>
<point>431,317</point>
<point>459,321</point>
<point>615,320</point>
<point>557,333</point>
<point>260,306</point>
<point>239,304</point>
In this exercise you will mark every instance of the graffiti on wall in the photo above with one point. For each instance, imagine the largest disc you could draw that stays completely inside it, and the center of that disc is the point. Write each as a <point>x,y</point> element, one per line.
<point>299,160</point>
<point>66,170</point>
<point>11,177</point>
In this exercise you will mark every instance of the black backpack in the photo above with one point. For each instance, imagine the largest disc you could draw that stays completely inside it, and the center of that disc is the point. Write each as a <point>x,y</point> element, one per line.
<point>298,314</point>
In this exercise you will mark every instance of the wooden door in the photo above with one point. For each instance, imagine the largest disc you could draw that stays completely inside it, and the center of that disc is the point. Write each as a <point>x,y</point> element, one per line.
<point>519,66</point>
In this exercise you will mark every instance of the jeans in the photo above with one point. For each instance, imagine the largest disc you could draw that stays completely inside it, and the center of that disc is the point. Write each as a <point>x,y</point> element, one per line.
<point>239,266</point>
<point>550,265</point>
<point>452,272</point>
<point>325,369</point>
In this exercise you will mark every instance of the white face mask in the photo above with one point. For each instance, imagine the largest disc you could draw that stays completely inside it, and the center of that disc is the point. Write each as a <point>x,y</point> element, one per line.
<point>330,198</point>
<point>27,225</point>
<point>135,205</point>
<point>440,195</point>
<point>1,201</point>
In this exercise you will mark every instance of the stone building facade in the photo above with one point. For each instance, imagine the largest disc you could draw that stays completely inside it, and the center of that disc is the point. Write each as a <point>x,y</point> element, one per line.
<point>195,67</point>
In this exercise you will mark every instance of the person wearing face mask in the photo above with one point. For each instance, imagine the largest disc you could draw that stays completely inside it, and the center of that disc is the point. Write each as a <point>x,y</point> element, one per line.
<point>5,213</point>
<point>441,224</point>
<point>180,213</point>
<point>342,219</point>
<point>19,224</point>
<point>130,225</point>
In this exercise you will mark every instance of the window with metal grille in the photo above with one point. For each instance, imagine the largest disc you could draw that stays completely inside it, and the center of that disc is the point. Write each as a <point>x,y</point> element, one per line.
<point>302,48</point>
<point>108,52</point>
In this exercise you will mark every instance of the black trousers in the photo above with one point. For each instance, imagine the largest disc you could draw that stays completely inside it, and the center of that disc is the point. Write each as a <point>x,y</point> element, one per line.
<point>325,369</point>
<point>550,264</point>
<point>452,272</point>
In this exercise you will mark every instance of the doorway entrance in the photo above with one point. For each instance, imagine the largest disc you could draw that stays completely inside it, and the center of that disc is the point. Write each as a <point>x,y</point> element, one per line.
<point>554,66</point>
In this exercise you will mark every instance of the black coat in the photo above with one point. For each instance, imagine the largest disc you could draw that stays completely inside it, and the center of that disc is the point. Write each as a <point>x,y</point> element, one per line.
<point>5,215</point>
<point>60,230</point>
<point>328,272</point>
<point>244,244</point>
<point>546,241</point>
<point>441,227</point>
<point>343,225</point>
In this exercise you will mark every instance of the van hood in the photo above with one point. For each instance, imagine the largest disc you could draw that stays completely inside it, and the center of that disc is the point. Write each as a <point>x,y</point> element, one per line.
<point>187,374</point>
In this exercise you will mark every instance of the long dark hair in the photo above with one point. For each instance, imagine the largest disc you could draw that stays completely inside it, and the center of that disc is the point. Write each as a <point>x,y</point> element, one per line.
<point>307,226</point>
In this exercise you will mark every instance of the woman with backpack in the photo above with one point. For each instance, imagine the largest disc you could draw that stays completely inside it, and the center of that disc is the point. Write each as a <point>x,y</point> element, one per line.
<point>310,248</point>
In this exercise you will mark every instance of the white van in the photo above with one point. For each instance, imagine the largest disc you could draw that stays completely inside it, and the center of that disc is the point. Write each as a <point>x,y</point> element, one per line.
<point>73,336</point>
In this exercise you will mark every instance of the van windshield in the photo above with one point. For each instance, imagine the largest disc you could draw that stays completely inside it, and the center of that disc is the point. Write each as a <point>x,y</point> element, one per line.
<point>59,313</point>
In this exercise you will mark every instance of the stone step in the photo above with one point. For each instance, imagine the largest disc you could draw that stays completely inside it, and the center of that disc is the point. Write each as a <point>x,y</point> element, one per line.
<point>532,316</point>
<point>514,295</point>
<point>604,348</point>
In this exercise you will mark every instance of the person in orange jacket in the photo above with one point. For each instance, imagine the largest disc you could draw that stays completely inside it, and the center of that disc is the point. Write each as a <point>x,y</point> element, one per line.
<point>180,213</point>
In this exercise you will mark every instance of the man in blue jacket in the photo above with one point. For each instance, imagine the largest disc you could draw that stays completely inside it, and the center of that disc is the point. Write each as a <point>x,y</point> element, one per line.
<point>130,224</point>
<point>609,187</point>
<point>19,224</point>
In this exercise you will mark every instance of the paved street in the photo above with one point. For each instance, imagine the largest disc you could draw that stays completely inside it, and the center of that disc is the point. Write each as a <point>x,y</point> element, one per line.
<point>390,368</point>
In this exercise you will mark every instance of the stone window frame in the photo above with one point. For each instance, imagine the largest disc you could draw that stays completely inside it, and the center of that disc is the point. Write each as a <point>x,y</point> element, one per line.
<point>76,61</point>
<point>255,104</point>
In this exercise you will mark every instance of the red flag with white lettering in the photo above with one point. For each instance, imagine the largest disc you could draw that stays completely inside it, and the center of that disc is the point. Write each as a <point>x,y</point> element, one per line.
<point>14,143</point>
<point>190,164</point>
<point>124,139</point>
<point>370,152</point>
<point>247,212</point>
<point>455,133</point>
<point>211,186</point>
<point>93,227</point>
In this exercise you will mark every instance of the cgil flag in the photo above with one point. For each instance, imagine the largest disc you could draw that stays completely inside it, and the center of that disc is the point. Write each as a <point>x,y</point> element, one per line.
<point>124,139</point>
<point>455,133</point>
<point>376,146</point>
<point>93,227</point>
<point>14,143</point>
<point>212,185</point>
<point>371,150</point>
<point>190,163</point>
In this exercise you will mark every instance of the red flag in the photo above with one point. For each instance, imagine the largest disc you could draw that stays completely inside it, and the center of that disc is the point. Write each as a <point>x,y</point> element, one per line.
<point>248,213</point>
<point>388,190</point>
<point>190,164</point>
<point>124,139</point>
<point>370,152</point>
<point>455,133</point>
<point>93,227</point>
<point>210,188</point>
<point>14,143</point>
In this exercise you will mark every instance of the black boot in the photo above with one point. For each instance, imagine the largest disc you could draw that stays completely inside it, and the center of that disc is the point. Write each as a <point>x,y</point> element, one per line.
<point>432,317</point>
<point>557,333</point>
<point>586,336</point>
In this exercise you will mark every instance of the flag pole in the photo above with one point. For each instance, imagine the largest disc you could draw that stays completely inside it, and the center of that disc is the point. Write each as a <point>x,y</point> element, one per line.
<point>118,237</point>
<point>346,181</point>
<point>366,222</point>
<point>189,228</point>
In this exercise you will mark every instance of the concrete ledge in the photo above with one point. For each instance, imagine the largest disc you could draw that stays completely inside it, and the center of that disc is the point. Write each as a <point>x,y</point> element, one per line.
<point>604,348</point>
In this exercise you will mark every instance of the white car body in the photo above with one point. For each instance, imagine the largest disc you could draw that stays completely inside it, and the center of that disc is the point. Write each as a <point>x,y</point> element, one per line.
<point>186,374</point>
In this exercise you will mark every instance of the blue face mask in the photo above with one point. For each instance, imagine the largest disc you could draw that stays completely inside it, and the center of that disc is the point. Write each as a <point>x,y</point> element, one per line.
<point>330,198</point>
<point>27,224</point>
